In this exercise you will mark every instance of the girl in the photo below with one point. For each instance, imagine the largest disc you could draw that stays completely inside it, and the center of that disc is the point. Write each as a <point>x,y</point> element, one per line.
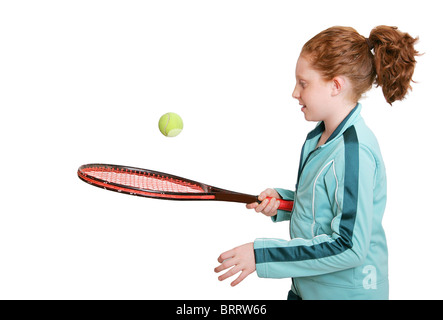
<point>338,247</point>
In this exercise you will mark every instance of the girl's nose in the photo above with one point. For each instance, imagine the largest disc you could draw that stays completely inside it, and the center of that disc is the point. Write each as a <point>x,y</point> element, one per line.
<point>296,93</point>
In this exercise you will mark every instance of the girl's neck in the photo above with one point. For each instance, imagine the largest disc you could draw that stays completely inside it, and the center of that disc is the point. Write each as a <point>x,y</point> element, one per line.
<point>333,122</point>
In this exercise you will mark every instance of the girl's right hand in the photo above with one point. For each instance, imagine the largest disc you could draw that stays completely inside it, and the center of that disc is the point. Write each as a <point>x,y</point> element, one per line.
<point>267,207</point>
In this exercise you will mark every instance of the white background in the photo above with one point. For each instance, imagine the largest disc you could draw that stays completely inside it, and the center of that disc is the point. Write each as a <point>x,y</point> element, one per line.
<point>86,81</point>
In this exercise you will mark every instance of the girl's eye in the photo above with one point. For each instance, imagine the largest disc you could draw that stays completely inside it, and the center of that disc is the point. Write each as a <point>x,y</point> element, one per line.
<point>302,84</point>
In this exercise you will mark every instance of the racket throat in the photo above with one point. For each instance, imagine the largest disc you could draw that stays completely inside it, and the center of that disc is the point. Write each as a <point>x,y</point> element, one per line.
<point>233,197</point>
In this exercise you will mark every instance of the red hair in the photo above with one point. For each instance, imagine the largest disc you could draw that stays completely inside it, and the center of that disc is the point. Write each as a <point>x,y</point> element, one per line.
<point>343,51</point>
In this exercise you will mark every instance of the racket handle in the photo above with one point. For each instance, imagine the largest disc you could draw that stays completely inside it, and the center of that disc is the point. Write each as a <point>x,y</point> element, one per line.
<point>285,205</point>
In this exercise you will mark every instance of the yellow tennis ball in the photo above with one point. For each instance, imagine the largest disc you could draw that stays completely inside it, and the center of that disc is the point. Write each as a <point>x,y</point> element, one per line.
<point>170,124</point>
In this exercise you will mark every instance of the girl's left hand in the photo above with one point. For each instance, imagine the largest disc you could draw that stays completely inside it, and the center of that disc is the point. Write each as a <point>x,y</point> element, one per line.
<point>240,259</point>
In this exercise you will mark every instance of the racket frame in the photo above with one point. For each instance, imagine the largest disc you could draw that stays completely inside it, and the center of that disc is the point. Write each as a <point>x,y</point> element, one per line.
<point>209,192</point>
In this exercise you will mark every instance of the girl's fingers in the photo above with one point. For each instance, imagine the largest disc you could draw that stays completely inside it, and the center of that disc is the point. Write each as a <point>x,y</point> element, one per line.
<point>226,255</point>
<point>276,205</point>
<point>241,277</point>
<point>265,194</point>
<point>238,259</point>
<point>230,273</point>
<point>267,204</point>
<point>252,205</point>
<point>262,205</point>
<point>225,264</point>
<point>269,207</point>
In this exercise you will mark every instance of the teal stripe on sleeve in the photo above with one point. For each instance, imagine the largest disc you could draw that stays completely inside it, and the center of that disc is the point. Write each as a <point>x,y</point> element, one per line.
<point>351,185</point>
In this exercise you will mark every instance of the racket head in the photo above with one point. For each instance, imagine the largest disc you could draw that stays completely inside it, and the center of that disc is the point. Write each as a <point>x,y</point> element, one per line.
<point>143,182</point>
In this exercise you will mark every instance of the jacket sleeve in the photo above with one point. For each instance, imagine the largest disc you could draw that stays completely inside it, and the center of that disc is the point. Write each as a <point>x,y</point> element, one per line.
<point>347,244</point>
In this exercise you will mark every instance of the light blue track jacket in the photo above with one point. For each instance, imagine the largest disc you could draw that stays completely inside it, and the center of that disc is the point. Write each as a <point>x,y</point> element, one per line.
<point>338,247</point>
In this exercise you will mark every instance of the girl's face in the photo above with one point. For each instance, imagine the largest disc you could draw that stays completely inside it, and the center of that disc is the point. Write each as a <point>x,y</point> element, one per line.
<point>312,91</point>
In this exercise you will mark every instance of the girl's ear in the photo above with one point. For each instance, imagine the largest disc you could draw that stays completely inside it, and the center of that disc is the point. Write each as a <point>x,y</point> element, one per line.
<point>338,85</point>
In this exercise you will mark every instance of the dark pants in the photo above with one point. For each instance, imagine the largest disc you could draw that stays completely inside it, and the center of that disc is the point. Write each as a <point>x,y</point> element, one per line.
<point>293,296</point>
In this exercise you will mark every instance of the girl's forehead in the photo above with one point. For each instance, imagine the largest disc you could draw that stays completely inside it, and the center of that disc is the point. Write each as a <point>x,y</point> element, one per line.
<point>304,69</point>
<point>302,62</point>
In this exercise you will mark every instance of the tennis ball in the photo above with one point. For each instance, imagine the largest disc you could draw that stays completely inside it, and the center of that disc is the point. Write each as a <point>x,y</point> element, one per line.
<point>170,124</point>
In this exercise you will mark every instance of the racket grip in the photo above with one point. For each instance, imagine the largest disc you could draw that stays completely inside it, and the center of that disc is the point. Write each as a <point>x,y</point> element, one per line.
<point>285,205</point>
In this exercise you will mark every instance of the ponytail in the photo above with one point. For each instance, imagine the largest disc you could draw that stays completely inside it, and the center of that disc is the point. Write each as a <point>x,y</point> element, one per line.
<point>394,59</point>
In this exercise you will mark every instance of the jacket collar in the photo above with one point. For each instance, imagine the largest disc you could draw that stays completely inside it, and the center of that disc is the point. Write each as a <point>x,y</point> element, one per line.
<point>345,124</point>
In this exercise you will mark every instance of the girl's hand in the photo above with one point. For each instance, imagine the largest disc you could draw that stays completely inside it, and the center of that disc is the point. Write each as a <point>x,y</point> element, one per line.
<point>240,259</point>
<point>267,207</point>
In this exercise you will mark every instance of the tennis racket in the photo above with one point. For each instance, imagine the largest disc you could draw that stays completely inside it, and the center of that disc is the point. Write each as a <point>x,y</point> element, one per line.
<point>153,184</point>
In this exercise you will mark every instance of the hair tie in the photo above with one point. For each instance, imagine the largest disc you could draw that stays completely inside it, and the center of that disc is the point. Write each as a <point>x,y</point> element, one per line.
<point>369,43</point>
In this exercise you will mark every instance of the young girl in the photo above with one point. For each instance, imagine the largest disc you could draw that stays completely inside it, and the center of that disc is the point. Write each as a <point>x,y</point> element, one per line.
<point>338,247</point>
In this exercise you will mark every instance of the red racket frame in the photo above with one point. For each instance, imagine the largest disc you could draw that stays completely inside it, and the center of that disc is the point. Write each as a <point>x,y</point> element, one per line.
<point>203,191</point>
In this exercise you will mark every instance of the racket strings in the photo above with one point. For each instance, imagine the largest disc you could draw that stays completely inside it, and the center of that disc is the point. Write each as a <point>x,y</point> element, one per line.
<point>143,180</point>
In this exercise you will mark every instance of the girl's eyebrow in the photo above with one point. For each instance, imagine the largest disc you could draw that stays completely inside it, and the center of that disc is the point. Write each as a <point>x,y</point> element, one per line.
<point>300,75</point>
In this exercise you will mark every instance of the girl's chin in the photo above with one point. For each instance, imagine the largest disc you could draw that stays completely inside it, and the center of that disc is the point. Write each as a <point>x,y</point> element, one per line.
<point>309,117</point>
